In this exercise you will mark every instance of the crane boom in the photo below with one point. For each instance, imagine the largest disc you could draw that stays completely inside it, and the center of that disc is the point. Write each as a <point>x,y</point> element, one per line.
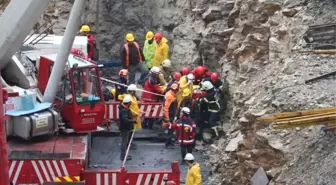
<point>16,22</point>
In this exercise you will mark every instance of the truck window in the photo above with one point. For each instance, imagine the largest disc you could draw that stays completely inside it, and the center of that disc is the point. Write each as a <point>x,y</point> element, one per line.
<point>86,85</point>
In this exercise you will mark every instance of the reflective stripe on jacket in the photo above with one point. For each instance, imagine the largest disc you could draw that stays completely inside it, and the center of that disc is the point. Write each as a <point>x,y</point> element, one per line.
<point>211,101</point>
<point>128,53</point>
<point>161,52</point>
<point>194,176</point>
<point>185,138</point>
<point>149,51</point>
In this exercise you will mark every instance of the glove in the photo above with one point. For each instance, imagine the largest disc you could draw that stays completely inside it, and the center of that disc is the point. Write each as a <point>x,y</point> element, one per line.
<point>186,129</point>
<point>165,124</point>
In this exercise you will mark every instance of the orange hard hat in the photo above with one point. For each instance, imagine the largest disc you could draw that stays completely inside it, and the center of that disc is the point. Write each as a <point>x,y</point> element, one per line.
<point>214,77</point>
<point>123,72</point>
<point>177,76</point>
<point>174,86</point>
<point>158,36</point>
<point>185,70</point>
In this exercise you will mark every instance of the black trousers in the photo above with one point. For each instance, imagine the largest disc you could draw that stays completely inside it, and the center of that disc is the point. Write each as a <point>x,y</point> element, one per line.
<point>186,148</point>
<point>169,140</point>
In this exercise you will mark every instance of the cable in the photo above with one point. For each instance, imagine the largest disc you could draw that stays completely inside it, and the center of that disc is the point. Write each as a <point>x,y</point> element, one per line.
<point>128,147</point>
<point>114,82</point>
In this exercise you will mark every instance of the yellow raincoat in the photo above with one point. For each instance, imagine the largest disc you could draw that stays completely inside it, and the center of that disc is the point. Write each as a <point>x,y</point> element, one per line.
<point>194,176</point>
<point>161,52</point>
<point>183,85</point>
<point>135,109</point>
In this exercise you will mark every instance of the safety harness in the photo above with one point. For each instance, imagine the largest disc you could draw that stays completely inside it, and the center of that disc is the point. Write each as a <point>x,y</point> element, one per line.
<point>127,52</point>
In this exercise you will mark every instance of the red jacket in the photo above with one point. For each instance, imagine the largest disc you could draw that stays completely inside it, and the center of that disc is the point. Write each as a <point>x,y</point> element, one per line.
<point>91,45</point>
<point>154,88</point>
<point>186,129</point>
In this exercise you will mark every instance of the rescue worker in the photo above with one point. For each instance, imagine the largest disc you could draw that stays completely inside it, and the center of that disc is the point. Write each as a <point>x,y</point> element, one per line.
<point>132,59</point>
<point>185,71</point>
<point>149,49</point>
<point>151,85</point>
<point>176,78</point>
<point>121,88</point>
<point>194,176</point>
<point>209,106</point>
<point>186,128</point>
<point>161,50</point>
<point>199,73</point>
<point>187,101</point>
<point>92,50</point>
<point>126,125</point>
<point>186,82</point>
<point>165,72</point>
<point>170,106</point>
<point>135,109</point>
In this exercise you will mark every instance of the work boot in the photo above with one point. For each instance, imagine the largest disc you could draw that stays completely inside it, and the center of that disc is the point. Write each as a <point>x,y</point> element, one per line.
<point>128,158</point>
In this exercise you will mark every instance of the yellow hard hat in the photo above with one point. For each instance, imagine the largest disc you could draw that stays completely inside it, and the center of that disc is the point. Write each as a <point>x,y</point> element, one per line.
<point>149,35</point>
<point>130,37</point>
<point>85,28</point>
<point>186,92</point>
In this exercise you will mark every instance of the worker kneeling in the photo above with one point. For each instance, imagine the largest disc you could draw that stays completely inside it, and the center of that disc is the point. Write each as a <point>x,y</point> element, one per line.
<point>186,128</point>
<point>126,125</point>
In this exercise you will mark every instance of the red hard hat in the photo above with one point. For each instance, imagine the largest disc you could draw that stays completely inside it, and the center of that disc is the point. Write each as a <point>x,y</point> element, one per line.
<point>205,68</point>
<point>199,71</point>
<point>185,70</point>
<point>158,36</point>
<point>208,73</point>
<point>177,76</point>
<point>214,77</point>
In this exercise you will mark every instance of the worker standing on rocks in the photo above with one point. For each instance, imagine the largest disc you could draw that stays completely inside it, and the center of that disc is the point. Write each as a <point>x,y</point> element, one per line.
<point>209,106</point>
<point>194,176</point>
<point>170,106</point>
<point>186,128</point>
<point>132,59</point>
<point>149,49</point>
<point>92,50</point>
<point>166,70</point>
<point>121,87</point>
<point>126,125</point>
<point>161,50</point>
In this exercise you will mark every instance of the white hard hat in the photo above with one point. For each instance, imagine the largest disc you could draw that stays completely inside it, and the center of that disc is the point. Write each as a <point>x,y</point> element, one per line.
<point>155,69</point>
<point>189,157</point>
<point>127,99</point>
<point>132,87</point>
<point>186,110</point>
<point>207,85</point>
<point>166,63</point>
<point>190,76</point>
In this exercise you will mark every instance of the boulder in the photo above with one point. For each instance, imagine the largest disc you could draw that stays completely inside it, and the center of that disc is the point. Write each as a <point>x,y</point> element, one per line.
<point>289,12</point>
<point>233,144</point>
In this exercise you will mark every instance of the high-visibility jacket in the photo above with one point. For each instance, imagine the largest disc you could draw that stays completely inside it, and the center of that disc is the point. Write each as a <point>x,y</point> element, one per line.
<point>161,52</point>
<point>130,55</point>
<point>165,75</point>
<point>149,51</point>
<point>183,85</point>
<point>210,102</point>
<point>170,105</point>
<point>194,176</point>
<point>186,129</point>
<point>135,109</point>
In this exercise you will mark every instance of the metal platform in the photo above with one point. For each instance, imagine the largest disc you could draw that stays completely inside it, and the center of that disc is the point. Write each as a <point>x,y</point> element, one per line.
<point>104,153</point>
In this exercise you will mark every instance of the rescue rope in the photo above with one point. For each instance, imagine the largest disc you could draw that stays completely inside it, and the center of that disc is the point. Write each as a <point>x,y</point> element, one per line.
<point>128,148</point>
<point>114,82</point>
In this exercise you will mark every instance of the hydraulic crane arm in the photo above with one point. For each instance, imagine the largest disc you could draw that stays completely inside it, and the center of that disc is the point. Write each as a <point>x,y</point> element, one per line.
<point>16,22</point>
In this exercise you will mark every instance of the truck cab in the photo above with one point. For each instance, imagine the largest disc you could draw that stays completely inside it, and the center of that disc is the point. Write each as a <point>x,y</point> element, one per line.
<point>79,97</point>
